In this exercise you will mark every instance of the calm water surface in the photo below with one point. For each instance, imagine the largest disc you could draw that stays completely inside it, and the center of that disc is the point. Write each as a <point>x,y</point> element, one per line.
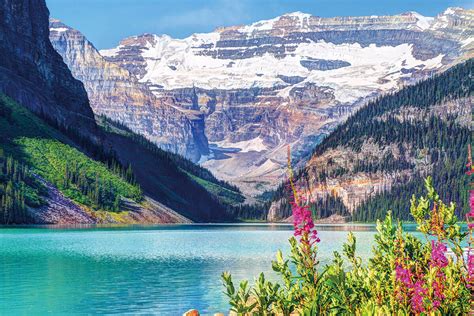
<point>163,270</point>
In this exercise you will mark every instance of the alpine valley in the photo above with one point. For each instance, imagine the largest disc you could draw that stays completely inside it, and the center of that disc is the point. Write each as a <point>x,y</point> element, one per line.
<point>158,176</point>
<point>234,99</point>
<point>163,130</point>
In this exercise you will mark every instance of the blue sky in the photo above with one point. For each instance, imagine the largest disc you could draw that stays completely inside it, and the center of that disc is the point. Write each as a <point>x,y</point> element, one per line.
<point>106,22</point>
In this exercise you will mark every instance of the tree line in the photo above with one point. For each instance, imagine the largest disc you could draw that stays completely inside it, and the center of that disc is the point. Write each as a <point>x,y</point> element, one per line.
<point>18,189</point>
<point>438,142</point>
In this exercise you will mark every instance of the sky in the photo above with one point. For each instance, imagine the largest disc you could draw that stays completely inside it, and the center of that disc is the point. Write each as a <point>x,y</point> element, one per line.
<point>106,22</point>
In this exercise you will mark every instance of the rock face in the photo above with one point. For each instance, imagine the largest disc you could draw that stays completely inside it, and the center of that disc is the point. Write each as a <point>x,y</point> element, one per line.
<point>289,80</point>
<point>117,94</point>
<point>33,73</point>
<point>354,188</point>
<point>59,209</point>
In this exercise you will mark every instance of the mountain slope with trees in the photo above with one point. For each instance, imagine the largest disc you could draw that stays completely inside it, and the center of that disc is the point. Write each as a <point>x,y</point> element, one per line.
<point>56,160</point>
<point>378,158</point>
<point>100,180</point>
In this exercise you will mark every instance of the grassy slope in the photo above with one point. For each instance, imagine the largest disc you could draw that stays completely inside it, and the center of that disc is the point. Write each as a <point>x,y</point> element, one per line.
<point>46,151</point>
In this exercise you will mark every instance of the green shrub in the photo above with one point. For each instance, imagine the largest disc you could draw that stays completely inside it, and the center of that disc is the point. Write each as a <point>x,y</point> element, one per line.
<point>405,275</point>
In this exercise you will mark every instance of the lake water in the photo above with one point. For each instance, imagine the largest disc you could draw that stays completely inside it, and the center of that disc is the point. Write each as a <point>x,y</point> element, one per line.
<point>163,270</point>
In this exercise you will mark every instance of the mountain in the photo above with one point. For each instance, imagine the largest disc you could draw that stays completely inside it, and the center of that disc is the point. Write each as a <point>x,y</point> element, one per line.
<point>289,80</point>
<point>57,165</point>
<point>33,73</point>
<point>117,94</point>
<point>380,156</point>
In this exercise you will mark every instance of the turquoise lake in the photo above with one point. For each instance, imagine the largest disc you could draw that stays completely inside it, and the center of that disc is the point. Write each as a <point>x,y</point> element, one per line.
<point>162,270</point>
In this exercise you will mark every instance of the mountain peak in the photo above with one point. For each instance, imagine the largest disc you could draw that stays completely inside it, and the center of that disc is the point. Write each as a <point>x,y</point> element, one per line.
<point>56,25</point>
<point>423,22</point>
<point>453,10</point>
<point>298,14</point>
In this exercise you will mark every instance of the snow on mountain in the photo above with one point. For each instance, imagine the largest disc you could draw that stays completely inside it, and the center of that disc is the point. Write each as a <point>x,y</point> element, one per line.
<point>291,79</point>
<point>115,93</point>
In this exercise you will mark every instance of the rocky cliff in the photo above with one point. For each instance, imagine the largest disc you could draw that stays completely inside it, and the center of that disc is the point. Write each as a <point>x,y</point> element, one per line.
<point>117,94</point>
<point>289,80</point>
<point>47,126</point>
<point>33,73</point>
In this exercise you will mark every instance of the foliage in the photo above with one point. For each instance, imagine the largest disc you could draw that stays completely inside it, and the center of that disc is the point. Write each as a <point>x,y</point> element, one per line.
<point>405,275</point>
<point>84,180</point>
<point>192,169</point>
<point>18,189</point>
<point>251,212</point>
<point>42,151</point>
<point>427,144</point>
<point>225,195</point>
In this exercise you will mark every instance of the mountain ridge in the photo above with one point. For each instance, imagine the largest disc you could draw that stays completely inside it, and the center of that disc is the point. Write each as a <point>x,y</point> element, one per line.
<point>379,157</point>
<point>57,165</point>
<point>33,73</point>
<point>114,92</point>
<point>289,80</point>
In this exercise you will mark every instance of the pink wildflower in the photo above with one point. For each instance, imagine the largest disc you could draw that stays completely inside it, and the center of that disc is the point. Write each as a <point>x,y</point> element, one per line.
<point>438,257</point>
<point>303,222</point>
<point>417,297</point>
<point>469,164</point>
<point>403,275</point>
<point>470,268</point>
<point>471,204</point>
<point>439,261</point>
<point>438,288</point>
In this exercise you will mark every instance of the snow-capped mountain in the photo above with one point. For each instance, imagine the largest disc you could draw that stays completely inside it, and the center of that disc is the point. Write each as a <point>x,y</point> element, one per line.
<point>117,94</point>
<point>289,80</point>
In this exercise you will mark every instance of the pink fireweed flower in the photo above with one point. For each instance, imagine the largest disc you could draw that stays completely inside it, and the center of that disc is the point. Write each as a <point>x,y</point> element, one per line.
<point>418,295</point>
<point>438,254</point>
<point>471,204</point>
<point>438,260</point>
<point>470,269</point>
<point>303,222</point>
<point>470,170</point>
<point>302,215</point>
<point>403,275</point>
<point>438,288</point>
<point>469,165</point>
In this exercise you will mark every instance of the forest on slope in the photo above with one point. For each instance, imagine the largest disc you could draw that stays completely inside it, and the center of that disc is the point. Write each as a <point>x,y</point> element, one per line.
<point>57,161</point>
<point>100,178</point>
<point>378,158</point>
